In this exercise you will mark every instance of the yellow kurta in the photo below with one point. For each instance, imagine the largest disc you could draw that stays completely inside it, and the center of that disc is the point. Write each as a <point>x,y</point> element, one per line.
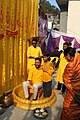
<point>36,52</point>
<point>35,75</point>
<point>47,76</point>
<point>62,66</point>
<point>53,58</point>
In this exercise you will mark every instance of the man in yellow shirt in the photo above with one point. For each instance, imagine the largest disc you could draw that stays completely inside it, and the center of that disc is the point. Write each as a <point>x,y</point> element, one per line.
<point>34,79</point>
<point>62,66</point>
<point>33,52</point>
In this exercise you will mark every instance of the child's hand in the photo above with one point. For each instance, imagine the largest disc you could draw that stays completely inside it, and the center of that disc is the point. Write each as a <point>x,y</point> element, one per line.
<point>44,70</point>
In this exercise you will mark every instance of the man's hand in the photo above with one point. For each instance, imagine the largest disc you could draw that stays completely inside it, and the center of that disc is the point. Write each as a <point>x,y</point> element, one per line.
<point>32,57</point>
<point>30,81</point>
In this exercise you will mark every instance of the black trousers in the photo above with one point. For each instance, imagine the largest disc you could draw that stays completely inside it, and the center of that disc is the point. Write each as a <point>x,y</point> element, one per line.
<point>60,85</point>
<point>47,88</point>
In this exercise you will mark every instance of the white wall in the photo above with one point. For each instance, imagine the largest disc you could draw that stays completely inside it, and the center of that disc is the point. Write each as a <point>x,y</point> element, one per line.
<point>73,25</point>
<point>63,22</point>
<point>50,24</point>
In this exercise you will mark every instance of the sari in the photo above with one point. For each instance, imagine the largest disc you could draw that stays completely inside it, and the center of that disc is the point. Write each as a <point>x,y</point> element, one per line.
<point>71,78</point>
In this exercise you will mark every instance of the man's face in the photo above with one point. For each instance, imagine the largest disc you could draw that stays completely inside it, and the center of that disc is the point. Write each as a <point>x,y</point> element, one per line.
<point>69,58</point>
<point>34,43</point>
<point>64,47</point>
<point>37,64</point>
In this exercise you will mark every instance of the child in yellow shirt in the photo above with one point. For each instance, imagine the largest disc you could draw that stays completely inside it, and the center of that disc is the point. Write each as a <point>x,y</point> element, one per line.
<point>48,70</point>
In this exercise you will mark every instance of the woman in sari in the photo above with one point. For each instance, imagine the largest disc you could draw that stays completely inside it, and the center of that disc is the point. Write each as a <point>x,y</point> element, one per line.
<point>71,78</point>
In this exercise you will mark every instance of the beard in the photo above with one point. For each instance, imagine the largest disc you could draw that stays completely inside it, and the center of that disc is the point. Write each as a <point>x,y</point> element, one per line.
<point>37,66</point>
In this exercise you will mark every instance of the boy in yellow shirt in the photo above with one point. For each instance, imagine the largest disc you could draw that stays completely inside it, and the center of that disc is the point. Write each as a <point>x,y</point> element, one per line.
<point>48,70</point>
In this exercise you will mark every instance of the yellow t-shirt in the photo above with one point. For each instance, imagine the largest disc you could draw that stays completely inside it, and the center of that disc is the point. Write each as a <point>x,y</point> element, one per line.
<point>47,76</point>
<point>62,66</point>
<point>35,75</point>
<point>36,52</point>
<point>53,58</point>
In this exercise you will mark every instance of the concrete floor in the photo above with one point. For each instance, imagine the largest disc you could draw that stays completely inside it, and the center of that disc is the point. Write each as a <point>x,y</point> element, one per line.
<point>13,113</point>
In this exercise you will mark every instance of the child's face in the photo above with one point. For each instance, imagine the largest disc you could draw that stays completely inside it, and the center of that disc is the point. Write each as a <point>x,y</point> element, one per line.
<point>45,58</point>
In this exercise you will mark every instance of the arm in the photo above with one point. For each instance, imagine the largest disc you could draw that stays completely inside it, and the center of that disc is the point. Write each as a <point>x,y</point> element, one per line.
<point>29,53</point>
<point>67,77</point>
<point>30,77</point>
<point>50,70</point>
<point>32,57</point>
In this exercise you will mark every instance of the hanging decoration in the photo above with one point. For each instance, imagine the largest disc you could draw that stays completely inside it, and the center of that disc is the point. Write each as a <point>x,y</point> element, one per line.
<point>18,23</point>
<point>12,33</point>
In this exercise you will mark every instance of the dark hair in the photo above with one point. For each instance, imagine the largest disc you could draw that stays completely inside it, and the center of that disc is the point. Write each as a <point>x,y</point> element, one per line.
<point>70,43</point>
<point>66,43</point>
<point>71,51</point>
<point>35,39</point>
<point>38,58</point>
<point>47,54</point>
